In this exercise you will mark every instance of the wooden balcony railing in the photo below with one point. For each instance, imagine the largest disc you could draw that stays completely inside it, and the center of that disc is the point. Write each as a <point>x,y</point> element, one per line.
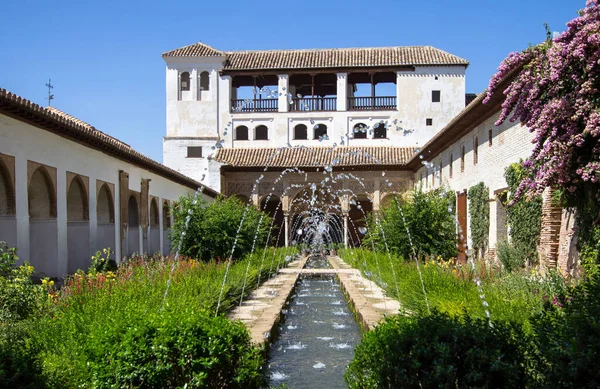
<point>372,103</point>
<point>254,105</point>
<point>313,104</point>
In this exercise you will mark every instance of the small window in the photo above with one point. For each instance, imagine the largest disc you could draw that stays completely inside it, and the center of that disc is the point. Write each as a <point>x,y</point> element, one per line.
<point>320,130</point>
<point>429,122</point>
<point>194,152</point>
<point>379,132</point>
<point>435,96</point>
<point>185,81</point>
<point>360,131</point>
<point>440,171</point>
<point>261,132</point>
<point>475,150</point>
<point>241,133</point>
<point>300,131</point>
<point>450,165</point>
<point>462,159</point>
<point>490,135</point>
<point>204,81</point>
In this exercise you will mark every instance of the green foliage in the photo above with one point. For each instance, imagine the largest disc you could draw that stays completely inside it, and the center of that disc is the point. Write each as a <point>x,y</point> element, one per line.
<point>20,366</point>
<point>590,253</point>
<point>568,338</point>
<point>440,351</point>
<point>524,215</point>
<point>427,216</point>
<point>19,297</point>
<point>479,213</point>
<point>213,228</point>
<point>451,288</point>
<point>511,257</point>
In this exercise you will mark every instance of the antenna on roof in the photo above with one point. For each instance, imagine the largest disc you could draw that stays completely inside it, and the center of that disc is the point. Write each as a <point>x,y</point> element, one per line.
<point>50,95</point>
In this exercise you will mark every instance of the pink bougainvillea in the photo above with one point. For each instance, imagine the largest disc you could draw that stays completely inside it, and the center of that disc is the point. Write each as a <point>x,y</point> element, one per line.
<point>556,94</point>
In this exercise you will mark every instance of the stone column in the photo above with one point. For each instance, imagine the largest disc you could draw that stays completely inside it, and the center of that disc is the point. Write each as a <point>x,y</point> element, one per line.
<point>283,89</point>
<point>22,207</point>
<point>342,91</point>
<point>345,230</point>
<point>286,222</point>
<point>398,90</point>
<point>61,220</point>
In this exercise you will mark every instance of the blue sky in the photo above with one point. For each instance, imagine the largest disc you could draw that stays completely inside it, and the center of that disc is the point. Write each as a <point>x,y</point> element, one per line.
<point>104,57</point>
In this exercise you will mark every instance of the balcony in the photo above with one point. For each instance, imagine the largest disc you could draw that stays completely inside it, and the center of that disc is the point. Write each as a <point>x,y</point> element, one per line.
<point>300,104</point>
<point>254,105</point>
<point>372,103</point>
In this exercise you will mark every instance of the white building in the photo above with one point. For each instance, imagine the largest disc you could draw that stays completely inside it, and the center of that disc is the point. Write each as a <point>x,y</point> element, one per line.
<point>269,99</point>
<point>68,189</point>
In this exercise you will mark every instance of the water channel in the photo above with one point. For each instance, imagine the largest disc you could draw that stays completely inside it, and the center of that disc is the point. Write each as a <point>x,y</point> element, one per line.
<point>317,336</point>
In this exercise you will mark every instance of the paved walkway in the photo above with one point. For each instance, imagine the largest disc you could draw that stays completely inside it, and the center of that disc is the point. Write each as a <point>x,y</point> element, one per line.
<point>261,311</point>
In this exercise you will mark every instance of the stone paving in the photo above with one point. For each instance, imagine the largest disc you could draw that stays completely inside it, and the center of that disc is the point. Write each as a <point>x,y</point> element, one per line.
<point>261,311</point>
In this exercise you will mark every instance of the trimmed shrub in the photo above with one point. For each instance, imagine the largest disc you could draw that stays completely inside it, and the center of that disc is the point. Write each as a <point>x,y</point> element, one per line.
<point>213,228</point>
<point>438,351</point>
<point>429,219</point>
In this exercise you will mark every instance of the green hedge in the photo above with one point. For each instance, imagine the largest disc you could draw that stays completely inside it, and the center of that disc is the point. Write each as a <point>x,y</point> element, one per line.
<point>479,214</point>
<point>439,351</point>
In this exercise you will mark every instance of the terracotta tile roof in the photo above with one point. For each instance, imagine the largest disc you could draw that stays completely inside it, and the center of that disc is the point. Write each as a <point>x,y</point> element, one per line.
<point>65,125</point>
<point>323,58</point>
<point>345,156</point>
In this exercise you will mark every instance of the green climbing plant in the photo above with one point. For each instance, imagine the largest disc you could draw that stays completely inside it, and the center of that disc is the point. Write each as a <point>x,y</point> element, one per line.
<point>524,215</point>
<point>479,213</point>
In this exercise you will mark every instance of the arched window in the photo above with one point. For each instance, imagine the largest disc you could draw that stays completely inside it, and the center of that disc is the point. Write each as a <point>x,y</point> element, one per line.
<point>450,165</point>
<point>490,136</point>
<point>261,132</point>
<point>475,150</point>
<point>360,131</point>
<point>204,81</point>
<point>77,204</point>
<point>440,171</point>
<point>241,133</point>
<point>41,196</point>
<point>7,203</point>
<point>105,206</point>
<point>154,220</point>
<point>320,130</point>
<point>300,132</point>
<point>132,206</point>
<point>462,159</point>
<point>166,215</point>
<point>379,132</point>
<point>184,82</point>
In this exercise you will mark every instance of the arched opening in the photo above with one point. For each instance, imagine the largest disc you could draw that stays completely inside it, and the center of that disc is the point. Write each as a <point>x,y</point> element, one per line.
<point>360,131</point>
<point>320,131</point>
<point>273,208</point>
<point>154,233</point>
<point>105,213</point>
<point>317,213</point>
<point>166,215</point>
<point>154,219</point>
<point>43,230</point>
<point>133,233</point>
<point>77,201</point>
<point>41,195</point>
<point>105,206</point>
<point>450,165</point>
<point>7,194</point>
<point>379,132</point>
<point>462,159</point>
<point>241,133</point>
<point>475,150</point>
<point>204,81</point>
<point>300,132</point>
<point>261,132</point>
<point>360,208</point>
<point>134,220</point>
<point>78,230</point>
<point>184,82</point>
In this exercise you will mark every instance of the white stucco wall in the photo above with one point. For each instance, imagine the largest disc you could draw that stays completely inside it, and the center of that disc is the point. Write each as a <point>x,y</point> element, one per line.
<point>199,123</point>
<point>26,143</point>
<point>510,143</point>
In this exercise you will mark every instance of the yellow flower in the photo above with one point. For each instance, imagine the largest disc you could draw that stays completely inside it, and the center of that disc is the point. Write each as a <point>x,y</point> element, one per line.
<point>44,281</point>
<point>51,283</point>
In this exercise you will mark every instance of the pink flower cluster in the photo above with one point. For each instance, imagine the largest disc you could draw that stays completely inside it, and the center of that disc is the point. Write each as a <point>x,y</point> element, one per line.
<point>555,93</point>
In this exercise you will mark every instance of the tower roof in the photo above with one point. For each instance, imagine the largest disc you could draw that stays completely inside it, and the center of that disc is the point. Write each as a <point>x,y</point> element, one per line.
<point>323,58</point>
